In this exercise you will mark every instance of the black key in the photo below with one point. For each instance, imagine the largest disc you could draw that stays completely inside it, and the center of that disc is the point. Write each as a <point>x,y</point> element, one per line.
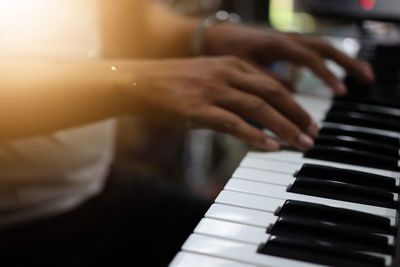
<point>363,120</point>
<point>316,251</point>
<point>350,218</point>
<point>350,238</point>
<point>385,67</point>
<point>354,132</point>
<point>389,73</point>
<point>351,156</point>
<point>347,176</point>
<point>358,144</point>
<point>380,94</point>
<point>372,98</point>
<point>385,112</point>
<point>343,191</point>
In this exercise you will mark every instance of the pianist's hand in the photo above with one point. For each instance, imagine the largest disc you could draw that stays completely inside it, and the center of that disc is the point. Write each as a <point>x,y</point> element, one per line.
<point>221,93</point>
<point>263,47</point>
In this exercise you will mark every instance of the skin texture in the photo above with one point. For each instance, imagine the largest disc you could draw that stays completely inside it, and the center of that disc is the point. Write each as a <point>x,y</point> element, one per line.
<point>220,90</point>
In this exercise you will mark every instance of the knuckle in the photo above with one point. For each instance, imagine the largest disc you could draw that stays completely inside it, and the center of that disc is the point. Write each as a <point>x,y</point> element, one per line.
<point>213,93</point>
<point>323,42</point>
<point>304,118</point>
<point>209,94</point>
<point>313,58</point>
<point>308,55</point>
<point>232,60</point>
<point>304,121</point>
<point>199,89</point>
<point>276,92</point>
<point>195,116</point>
<point>285,128</point>
<point>325,45</point>
<point>315,61</point>
<point>276,40</point>
<point>218,72</point>
<point>202,81</point>
<point>192,116</point>
<point>191,119</point>
<point>256,103</point>
<point>196,80</point>
<point>230,125</point>
<point>290,131</point>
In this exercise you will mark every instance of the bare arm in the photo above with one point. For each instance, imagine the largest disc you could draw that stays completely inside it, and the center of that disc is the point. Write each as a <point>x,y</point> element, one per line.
<point>38,98</point>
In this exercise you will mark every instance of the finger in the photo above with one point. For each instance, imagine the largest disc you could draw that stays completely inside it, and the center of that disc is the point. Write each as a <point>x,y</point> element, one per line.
<point>288,84</point>
<point>248,66</point>
<point>299,54</point>
<point>251,68</point>
<point>256,109</point>
<point>359,69</point>
<point>224,121</point>
<point>289,79</point>
<point>278,96</point>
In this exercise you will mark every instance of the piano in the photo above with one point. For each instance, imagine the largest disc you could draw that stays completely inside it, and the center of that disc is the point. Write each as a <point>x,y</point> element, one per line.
<point>335,205</point>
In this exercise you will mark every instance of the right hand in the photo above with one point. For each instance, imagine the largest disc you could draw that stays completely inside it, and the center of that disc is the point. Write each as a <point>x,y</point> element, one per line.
<point>221,93</point>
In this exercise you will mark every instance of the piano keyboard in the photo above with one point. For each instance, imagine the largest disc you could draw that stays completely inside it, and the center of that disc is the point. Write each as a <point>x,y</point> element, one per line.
<point>336,205</point>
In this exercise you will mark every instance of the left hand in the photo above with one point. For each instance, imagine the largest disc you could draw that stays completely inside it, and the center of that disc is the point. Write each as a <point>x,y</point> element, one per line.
<point>262,47</point>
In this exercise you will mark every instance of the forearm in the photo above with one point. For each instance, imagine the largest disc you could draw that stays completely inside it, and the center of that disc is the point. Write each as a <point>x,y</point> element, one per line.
<point>39,98</point>
<point>145,29</point>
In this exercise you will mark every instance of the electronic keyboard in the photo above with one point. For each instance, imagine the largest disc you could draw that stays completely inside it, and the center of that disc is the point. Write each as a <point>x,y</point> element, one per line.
<point>377,10</point>
<point>335,205</point>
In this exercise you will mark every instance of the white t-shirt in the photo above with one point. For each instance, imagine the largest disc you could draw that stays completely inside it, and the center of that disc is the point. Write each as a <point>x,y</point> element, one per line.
<point>46,175</point>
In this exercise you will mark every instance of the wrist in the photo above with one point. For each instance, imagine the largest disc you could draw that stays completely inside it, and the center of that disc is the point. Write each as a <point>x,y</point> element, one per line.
<point>199,36</point>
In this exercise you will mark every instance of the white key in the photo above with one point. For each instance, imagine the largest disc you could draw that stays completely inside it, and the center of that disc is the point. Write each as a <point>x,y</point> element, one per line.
<point>186,259</point>
<point>270,165</point>
<point>250,201</point>
<point>297,158</point>
<point>264,203</point>
<point>233,231</point>
<point>278,161</point>
<point>243,233</point>
<point>276,191</point>
<point>274,178</point>
<point>316,107</point>
<point>240,215</point>
<point>263,176</point>
<point>237,251</point>
<point>283,155</point>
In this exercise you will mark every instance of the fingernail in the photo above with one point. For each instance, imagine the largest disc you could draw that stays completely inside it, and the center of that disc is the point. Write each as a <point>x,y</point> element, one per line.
<point>313,129</point>
<point>368,72</point>
<point>305,141</point>
<point>271,145</point>
<point>340,88</point>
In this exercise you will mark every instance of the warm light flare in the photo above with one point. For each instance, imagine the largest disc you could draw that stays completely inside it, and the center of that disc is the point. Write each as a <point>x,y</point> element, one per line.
<point>18,14</point>
<point>48,27</point>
